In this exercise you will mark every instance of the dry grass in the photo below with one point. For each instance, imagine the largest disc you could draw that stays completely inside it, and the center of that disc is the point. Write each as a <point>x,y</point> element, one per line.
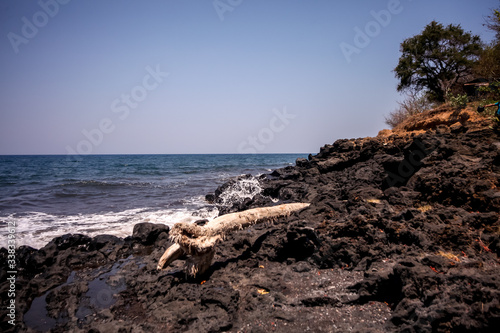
<point>442,115</point>
<point>425,208</point>
<point>449,255</point>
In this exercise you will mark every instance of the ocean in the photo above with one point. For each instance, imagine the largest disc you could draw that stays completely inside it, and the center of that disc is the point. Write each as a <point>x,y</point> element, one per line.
<point>48,196</point>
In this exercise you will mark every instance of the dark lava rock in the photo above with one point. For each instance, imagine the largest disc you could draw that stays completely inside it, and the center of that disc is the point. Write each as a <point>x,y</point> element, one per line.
<point>402,235</point>
<point>147,233</point>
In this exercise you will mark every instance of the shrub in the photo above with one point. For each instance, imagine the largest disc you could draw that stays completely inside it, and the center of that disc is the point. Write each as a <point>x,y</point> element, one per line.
<point>412,105</point>
<point>457,101</point>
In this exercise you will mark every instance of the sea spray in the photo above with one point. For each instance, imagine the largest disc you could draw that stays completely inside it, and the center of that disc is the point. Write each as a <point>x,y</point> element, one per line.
<point>237,190</point>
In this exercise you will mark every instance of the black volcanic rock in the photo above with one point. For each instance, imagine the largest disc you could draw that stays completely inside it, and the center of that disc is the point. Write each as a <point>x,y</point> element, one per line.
<point>402,235</point>
<point>147,233</point>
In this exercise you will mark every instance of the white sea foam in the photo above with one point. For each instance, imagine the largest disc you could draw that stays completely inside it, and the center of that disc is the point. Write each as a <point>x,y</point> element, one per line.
<point>244,188</point>
<point>37,229</point>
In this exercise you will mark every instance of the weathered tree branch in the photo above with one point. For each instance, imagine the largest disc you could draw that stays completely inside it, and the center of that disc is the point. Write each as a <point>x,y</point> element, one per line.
<point>199,242</point>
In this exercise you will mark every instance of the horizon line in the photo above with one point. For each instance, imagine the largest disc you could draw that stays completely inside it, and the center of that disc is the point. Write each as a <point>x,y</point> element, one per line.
<point>138,154</point>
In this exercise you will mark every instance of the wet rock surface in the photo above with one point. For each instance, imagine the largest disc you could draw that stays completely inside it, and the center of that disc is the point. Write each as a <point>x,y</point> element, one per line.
<point>403,235</point>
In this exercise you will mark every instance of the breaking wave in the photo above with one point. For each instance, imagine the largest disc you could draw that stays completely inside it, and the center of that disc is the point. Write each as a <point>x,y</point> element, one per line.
<point>238,190</point>
<point>36,229</point>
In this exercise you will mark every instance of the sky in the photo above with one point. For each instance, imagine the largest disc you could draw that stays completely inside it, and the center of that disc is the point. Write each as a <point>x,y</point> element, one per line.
<point>205,76</point>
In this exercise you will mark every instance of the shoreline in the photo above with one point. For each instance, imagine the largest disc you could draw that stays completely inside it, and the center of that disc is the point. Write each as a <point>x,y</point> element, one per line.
<point>46,197</point>
<point>372,253</point>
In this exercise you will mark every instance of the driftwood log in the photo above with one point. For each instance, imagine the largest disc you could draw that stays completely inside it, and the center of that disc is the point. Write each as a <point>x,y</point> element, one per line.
<point>198,242</point>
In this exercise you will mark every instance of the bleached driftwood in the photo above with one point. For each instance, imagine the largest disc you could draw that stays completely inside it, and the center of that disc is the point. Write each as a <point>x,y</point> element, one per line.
<point>199,242</point>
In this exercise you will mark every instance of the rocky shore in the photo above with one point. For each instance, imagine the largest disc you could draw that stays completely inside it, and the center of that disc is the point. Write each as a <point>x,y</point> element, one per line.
<point>402,235</point>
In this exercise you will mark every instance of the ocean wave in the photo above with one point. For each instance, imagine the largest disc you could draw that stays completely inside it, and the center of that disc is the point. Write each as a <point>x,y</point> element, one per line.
<point>239,190</point>
<point>48,196</point>
<point>97,183</point>
<point>118,183</point>
<point>36,229</point>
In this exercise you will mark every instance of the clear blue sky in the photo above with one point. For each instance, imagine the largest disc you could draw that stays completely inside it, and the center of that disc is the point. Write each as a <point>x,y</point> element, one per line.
<point>188,76</point>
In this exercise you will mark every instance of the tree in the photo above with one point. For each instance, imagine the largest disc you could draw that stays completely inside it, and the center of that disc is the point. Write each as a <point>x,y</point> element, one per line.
<point>436,60</point>
<point>488,65</point>
<point>493,23</point>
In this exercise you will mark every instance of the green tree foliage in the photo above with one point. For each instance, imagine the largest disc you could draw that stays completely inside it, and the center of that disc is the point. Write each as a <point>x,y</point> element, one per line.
<point>457,101</point>
<point>436,60</point>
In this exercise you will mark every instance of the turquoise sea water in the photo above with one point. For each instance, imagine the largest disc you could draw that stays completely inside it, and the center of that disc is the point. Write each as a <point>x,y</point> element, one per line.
<point>48,196</point>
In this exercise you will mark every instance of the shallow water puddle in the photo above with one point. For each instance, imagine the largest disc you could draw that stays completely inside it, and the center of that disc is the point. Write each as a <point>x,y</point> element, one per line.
<point>102,288</point>
<point>100,295</point>
<point>36,317</point>
<point>101,291</point>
